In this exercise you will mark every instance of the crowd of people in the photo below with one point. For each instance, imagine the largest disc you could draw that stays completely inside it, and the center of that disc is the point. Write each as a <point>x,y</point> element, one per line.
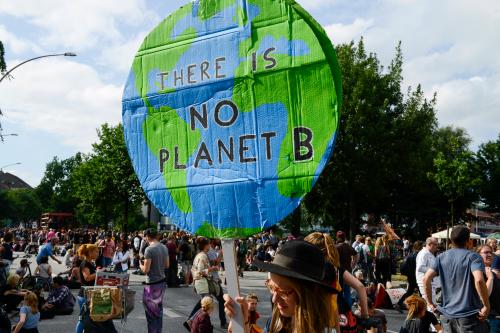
<point>318,283</point>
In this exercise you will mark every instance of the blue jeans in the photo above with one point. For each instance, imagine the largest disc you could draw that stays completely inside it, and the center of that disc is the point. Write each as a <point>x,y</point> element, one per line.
<point>107,261</point>
<point>494,325</point>
<point>79,324</point>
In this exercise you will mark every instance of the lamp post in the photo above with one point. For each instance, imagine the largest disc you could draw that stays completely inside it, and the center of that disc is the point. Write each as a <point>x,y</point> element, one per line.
<point>8,165</point>
<point>67,54</point>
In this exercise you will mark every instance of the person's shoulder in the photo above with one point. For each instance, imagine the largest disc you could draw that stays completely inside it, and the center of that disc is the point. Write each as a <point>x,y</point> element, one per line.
<point>496,262</point>
<point>24,309</point>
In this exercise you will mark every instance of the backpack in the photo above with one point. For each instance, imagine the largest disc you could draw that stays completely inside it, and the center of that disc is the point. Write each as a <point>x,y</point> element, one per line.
<point>242,249</point>
<point>408,265</point>
<point>186,252</point>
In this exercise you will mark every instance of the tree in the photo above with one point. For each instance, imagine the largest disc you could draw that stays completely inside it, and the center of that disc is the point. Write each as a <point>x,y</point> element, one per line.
<point>488,166</point>
<point>106,184</point>
<point>56,190</point>
<point>3,65</point>
<point>454,167</point>
<point>22,205</point>
<point>383,145</point>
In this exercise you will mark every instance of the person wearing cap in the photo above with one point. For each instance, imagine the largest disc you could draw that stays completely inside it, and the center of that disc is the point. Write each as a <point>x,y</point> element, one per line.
<point>156,260</point>
<point>465,304</point>
<point>302,301</point>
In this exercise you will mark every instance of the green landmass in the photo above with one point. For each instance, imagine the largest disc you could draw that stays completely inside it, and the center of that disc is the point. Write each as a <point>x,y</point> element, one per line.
<point>209,231</point>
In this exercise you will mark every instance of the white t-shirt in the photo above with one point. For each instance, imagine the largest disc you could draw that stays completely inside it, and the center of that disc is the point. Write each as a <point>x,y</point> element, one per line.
<point>121,258</point>
<point>425,259</point>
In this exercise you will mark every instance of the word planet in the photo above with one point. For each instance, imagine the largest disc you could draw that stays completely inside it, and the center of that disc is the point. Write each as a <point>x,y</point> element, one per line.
<point>230,113</point>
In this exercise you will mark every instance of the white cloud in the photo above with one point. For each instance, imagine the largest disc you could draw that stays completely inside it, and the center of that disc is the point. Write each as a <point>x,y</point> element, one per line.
<point>344,33</point>
<point>63,98</point>
<point>448,47</point>
<point>473,104</point>
<point>119,57</point>
<point>79,24</point>
<point>14,44</point>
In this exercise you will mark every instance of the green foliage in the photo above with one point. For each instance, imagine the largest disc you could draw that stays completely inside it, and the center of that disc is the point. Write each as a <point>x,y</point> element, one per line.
<point>19,205</point>
<point>3,65</point>
<point>488,165</point>
<point>56,190</point>
<point>454,169</point>
<point>105,183</point>
<point>383,148</point>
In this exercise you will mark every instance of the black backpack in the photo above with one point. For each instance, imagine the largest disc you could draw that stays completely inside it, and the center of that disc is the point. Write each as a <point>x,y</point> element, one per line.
<point>409,265</point>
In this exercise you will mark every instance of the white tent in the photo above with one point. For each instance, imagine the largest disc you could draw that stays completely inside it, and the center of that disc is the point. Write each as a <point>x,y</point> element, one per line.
<point>443,234</point>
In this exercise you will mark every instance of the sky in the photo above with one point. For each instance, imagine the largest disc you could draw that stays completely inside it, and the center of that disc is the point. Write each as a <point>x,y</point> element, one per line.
<point>56,104</point>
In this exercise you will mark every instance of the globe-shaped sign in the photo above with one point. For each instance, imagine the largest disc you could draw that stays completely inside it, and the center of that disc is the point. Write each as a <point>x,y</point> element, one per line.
<point>230,113</point>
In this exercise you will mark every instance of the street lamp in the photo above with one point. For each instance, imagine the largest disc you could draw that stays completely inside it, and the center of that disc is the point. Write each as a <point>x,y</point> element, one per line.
<point>4,135</point>
<point>67,54</point>
<point>8,165</point>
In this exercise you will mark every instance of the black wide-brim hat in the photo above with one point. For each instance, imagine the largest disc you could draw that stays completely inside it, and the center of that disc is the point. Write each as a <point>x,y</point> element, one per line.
<point>299,260</point>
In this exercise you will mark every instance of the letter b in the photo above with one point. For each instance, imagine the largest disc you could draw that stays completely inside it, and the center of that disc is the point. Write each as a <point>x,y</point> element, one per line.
<point>300,143</point>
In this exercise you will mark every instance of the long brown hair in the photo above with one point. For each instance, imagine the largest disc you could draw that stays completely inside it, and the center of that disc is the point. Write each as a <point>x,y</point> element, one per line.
<point>31,301</point>
<point>85,249</point>
<point>325,243</point>
<point>313,310</point>
<point>415,305</point>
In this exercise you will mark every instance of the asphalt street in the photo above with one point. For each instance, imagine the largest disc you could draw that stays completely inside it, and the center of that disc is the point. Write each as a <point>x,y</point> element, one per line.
<point>178,303</point>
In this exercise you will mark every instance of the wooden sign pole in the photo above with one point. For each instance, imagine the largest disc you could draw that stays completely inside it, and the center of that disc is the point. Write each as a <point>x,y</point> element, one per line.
<point>233,284</point>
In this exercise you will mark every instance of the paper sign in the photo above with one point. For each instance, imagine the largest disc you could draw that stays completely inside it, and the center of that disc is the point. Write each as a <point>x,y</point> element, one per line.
<point>111,279</point>
<point>230,113</point>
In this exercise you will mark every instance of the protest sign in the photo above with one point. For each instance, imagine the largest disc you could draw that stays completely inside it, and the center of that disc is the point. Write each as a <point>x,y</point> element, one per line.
<point>230,113</point>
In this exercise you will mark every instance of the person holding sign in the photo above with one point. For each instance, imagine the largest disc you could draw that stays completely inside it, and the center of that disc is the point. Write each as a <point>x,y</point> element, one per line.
<point>302,301</point>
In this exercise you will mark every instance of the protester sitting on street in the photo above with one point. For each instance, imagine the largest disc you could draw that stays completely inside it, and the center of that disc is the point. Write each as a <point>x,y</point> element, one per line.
<point>68,258</point>
<point>60,301</point>
<point>44,272</point>
<point>493,286</point>
<point>23,268</point>
<point>379,315</point>
<point>46,250</point>
<point>121,257</point>
<point>201,322</point>
<point>38,291</point>
<point>465,301</point>
<point>29,316</point>
<point>11,294</point>
<point>302,301</point>
<point>419,319</point>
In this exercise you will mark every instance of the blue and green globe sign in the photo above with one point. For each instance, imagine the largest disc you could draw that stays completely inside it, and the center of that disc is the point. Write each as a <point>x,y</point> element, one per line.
<point>230,112</point>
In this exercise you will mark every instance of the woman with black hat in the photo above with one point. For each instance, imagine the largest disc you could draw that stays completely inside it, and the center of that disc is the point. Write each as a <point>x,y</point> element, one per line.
<point>302,302</point>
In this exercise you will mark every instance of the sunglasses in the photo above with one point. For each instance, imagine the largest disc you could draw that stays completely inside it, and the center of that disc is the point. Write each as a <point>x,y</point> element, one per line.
<point>283,294</point>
